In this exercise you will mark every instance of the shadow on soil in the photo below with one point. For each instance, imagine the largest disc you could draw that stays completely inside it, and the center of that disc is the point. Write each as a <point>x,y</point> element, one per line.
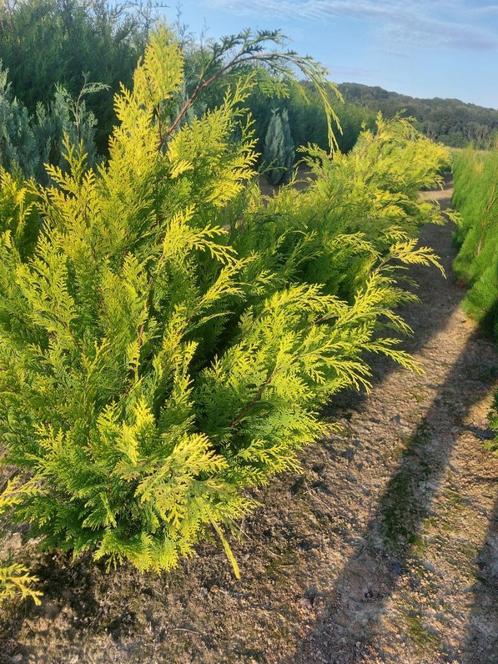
<point>346,632</point>
<point>365,584</point>
<point>64,584</point>
<point>481,645</point>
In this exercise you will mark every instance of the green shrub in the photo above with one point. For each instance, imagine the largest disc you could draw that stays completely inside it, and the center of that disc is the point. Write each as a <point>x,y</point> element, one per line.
<point>307,118</point>
<point>50,43</point>
<point>29,141</point>
<point>170,338</point>
<point>476,199</point>
<point>308,122</point>
<point>357,211</point>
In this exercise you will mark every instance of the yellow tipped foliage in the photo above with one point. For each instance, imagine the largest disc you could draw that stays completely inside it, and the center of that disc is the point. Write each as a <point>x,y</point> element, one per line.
<point>15,579</point>
<point>171,336</point>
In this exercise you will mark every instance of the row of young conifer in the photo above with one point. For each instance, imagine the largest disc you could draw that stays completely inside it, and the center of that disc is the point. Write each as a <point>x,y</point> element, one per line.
<point>476,199</point>
<point>168,334</point>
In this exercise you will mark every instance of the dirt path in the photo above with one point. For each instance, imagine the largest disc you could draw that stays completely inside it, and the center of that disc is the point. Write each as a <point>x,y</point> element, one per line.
<point>384,549</point>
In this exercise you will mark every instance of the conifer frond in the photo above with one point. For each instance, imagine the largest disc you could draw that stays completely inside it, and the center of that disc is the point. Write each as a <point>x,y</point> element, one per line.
<point>15,579</point>
<point>160,74</point>
<point>227,549</point>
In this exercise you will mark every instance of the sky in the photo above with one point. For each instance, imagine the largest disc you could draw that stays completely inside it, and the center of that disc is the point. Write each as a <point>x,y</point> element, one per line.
<point>423,48</point>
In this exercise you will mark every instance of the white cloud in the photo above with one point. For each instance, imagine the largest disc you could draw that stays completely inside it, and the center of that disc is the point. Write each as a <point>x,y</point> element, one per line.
<point>445,23</point>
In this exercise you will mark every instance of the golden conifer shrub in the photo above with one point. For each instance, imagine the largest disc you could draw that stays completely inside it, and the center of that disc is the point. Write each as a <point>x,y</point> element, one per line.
<point>172,336</point>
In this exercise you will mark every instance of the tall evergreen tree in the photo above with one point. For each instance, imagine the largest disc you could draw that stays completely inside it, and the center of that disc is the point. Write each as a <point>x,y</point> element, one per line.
<point>50,43</point>
<point>278,150</point>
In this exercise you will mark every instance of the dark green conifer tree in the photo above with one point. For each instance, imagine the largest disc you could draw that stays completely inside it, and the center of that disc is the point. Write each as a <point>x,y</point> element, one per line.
<point>278,148</point>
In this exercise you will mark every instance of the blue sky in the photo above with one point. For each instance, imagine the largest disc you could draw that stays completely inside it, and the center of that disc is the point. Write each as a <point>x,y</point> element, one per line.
<point>425,48</point>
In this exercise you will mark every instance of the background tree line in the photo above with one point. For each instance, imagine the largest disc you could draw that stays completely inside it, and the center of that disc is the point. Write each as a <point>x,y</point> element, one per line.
<point>450,121</point>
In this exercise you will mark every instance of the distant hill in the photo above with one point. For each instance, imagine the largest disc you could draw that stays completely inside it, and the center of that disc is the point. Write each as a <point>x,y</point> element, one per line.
<point>450,121</point>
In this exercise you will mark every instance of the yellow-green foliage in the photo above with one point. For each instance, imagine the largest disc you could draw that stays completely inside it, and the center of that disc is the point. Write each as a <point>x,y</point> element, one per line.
<point>15,579</point>
<point>476,199</point>
<point>359,211</point>
<point>18,211</point>
<point>173,335</point>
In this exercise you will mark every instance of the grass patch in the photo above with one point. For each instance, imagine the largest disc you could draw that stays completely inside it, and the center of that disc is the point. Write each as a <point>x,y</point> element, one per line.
<point>401,508</point>
<point>423,639</point>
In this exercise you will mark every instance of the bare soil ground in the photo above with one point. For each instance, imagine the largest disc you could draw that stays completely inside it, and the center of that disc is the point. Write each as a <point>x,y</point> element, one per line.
<point>384,549</point>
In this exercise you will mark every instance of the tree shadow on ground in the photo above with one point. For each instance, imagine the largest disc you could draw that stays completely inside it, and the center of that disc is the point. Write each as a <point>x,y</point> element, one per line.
<point>357,602</point>
<point>481,643</point>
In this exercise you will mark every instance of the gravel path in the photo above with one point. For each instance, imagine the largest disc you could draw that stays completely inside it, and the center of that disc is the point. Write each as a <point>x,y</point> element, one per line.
<point>384,549</point>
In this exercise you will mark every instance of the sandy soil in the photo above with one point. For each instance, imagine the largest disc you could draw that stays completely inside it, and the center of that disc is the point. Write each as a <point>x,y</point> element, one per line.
<point>384,549</point>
